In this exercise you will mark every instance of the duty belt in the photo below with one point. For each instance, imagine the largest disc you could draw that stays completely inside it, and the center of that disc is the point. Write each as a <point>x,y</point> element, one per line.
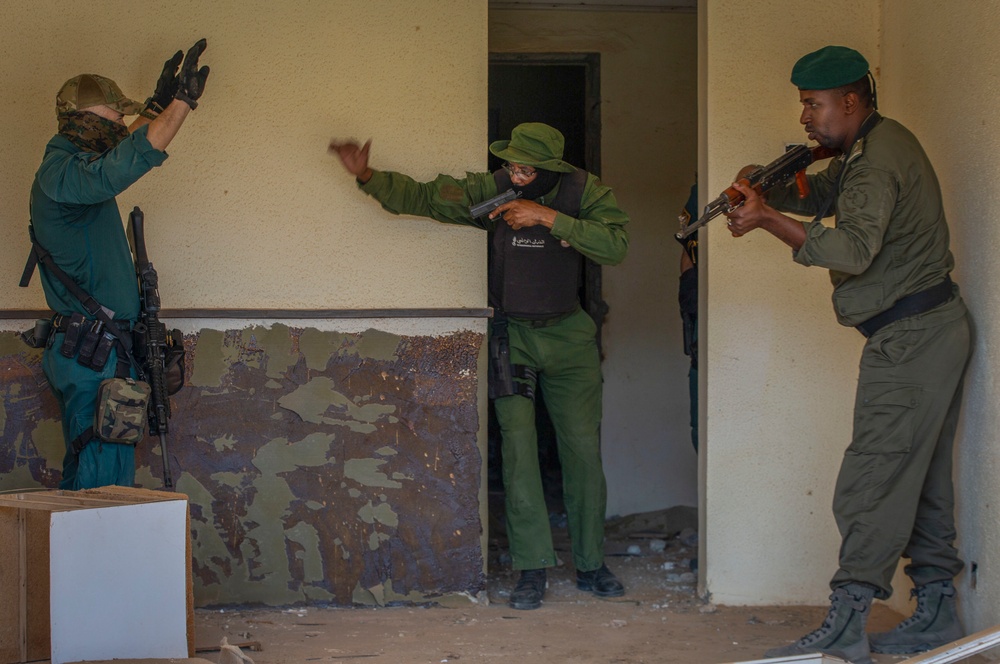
<point>911,305</point>
<point>60,323</point>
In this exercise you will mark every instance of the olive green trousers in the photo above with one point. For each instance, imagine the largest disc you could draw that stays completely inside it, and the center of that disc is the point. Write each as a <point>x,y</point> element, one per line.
<point>564,355</point>
<point>894,495</point>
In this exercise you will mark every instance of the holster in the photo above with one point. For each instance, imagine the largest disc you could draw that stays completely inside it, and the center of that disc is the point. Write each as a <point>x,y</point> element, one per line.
<point>501,372</point>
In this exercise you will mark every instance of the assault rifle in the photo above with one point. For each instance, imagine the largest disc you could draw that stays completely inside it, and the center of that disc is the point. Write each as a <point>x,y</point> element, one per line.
<point>762,179</point>
<point>482,209</point>
<point>152,342</point>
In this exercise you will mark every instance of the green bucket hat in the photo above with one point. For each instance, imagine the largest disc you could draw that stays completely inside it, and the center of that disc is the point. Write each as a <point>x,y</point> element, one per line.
<point>534,144</point>
<point>88,90</point>
<point>829,67</point>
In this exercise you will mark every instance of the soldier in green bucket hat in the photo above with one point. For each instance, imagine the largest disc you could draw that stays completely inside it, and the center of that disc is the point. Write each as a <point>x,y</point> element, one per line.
<point>890,264</point>
<point>538,244</point>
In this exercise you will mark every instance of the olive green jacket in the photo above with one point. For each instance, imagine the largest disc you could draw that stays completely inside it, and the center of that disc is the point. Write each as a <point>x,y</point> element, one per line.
<point>598,233</point>
<point>890,239</point>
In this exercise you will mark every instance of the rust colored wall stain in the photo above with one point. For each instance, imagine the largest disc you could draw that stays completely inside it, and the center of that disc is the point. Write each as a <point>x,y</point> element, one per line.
<point>354,482</point>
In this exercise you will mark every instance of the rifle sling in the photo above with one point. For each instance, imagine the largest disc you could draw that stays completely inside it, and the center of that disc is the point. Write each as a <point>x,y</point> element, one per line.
<point>40,255</point>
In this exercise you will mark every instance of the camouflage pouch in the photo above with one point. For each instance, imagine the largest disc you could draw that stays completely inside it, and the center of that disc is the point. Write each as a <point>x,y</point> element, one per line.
<point>122,405</point>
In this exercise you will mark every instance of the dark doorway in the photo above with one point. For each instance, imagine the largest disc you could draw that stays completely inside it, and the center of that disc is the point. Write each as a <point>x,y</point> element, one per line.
<point>561,90</point>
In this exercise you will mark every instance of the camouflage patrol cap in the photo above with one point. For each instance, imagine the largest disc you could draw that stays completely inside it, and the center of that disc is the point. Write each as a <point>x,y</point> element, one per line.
<point>88,90</point>
<point>829,67</point>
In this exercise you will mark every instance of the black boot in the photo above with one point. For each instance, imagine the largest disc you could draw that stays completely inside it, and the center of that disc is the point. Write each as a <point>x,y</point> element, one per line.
<point>842,633</point>
<point>602,582</point>
<point>933,624</point>
<point>529,590</point>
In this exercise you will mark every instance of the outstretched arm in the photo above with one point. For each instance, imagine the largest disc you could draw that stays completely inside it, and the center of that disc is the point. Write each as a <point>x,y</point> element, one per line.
<point>176,95</point>
<point>354,158</point>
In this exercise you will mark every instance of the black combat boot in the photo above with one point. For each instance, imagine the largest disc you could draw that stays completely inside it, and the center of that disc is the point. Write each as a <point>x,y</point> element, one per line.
<point>933,624</point>
<point>842,633</point>
<point>601,581</point>
<point>529,590</point>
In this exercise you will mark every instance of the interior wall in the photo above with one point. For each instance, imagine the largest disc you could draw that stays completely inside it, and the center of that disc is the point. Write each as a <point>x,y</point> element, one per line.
<point>780,372</point>
<point>648,157</point>
<point>250,210</point>
<point>940,75</point>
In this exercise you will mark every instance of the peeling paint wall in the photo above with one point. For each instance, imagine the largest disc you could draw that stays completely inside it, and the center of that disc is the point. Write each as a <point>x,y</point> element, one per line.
<point>321,466</point>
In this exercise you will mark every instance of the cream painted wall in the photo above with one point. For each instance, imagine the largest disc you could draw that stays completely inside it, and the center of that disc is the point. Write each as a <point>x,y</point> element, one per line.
<point>941,78</point>
<point>779,407</point>
<point>648,153</point>
<point>250,210</point>
<point>780,370</point>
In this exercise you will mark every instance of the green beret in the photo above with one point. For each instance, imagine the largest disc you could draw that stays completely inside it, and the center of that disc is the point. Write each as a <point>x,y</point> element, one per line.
<point>829,67</point>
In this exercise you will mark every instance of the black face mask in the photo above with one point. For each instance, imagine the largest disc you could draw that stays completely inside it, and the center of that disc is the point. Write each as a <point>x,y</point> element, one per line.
<point>542,184</point>
<point>91,132</point>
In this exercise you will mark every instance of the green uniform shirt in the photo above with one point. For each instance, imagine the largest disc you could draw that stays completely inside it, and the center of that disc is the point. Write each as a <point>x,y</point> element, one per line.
<point>891,237</point>
<point>598,233</point>
<point>76,218</point>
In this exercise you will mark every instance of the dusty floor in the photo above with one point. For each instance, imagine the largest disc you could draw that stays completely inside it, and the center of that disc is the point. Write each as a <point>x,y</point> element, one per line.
<point>660,619</point>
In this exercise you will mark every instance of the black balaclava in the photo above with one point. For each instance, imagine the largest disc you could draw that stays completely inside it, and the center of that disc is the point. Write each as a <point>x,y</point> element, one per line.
<point>542,184</point>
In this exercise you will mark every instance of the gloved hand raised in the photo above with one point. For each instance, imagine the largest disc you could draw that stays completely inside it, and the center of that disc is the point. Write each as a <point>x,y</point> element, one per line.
<point>191,80</point>
<point>166,85</point>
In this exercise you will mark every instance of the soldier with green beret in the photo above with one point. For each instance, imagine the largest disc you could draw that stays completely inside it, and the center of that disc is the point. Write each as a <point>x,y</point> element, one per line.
<point>538,243</point>
<point>74,216</point>
<point>890,264</point>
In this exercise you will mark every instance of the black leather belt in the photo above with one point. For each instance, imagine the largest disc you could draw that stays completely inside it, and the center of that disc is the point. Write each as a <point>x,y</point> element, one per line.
<point>911,305</point>
<point>60,323</point>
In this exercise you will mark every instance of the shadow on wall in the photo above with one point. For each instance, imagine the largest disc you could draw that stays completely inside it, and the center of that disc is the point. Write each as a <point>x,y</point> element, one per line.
<point>320,466</point>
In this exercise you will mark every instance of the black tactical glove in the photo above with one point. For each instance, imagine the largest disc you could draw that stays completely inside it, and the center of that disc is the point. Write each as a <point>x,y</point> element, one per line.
<point>191,80</point>
<point>166,85</point>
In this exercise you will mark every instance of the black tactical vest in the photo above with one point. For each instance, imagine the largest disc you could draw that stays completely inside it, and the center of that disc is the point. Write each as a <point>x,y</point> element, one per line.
<point>532,275</point>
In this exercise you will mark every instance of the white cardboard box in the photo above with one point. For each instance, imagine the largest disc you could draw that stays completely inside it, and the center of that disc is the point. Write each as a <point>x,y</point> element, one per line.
<point>92,575</point>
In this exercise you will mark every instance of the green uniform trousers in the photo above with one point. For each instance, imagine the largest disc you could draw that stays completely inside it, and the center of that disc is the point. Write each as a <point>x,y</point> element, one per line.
<point>565,356</point>
<point>75,389</point>
<point>894,495</point>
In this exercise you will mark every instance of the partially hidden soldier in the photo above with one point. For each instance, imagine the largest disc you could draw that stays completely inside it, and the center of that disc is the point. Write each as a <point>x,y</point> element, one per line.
<point>540,336</point>
<point>687,299</point>
<point>76,230</point>
<point>890,263</point>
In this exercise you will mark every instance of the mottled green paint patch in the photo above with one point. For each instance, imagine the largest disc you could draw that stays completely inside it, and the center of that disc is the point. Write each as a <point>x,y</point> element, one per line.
<point>383,594</point>
<point>227,479</point>
<point>353,493</point>
<point>307,536</point>
<point>312,400</point>
<point>401,476</point>
<point>227,442</point>
<point>273,384</point>
<point>277,345</point>
<point>387,451</point>
<point>375,540</point>
<point>48,440</point>
<point>366,472</point>
<point>319,347</point>
<point>382,513</point>
<point>280,456</point>
<point>378,345</point>
<point>11,344</point>
<point>213,359</point>
<point>18,478</point>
